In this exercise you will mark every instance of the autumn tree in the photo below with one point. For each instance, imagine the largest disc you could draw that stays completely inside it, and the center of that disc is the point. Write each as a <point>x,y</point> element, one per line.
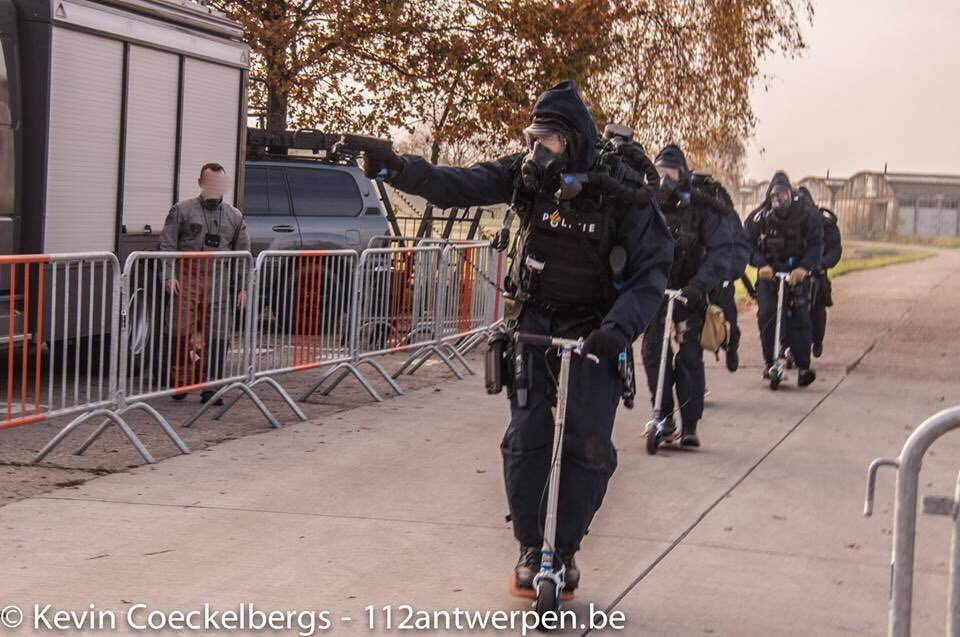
<point>460,76</point>
<point>307,55</point>
<point>686,70</point>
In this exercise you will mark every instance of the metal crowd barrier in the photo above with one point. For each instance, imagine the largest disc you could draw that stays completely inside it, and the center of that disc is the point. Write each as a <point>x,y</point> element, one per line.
<point>62,315</point>
<point>394,311</point>
<point>304,313</point>
<point>180,322</point>
<point>908,465</point>
<point>469,292</point>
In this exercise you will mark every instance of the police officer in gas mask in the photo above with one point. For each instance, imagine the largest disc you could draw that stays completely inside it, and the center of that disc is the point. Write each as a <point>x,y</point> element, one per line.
<point>724,295</point>
<point>564,285</point>
<point>786,236</point>
<point>702,249</point>
<point>822,293</point>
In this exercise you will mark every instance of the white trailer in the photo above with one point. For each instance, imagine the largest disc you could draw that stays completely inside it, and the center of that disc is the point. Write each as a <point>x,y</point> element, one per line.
<point>121,102</point>
<point>108,109</point>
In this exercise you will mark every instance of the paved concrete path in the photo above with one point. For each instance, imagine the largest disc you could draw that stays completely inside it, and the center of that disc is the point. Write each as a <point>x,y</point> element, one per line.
<point>758,533</point>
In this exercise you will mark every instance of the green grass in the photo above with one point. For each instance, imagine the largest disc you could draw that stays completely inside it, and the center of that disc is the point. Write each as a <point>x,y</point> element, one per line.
<point>924,240</point>
<point>856,257</point>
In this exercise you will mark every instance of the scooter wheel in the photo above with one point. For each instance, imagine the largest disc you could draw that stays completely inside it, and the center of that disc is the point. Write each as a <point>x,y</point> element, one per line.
<point>546,597</point>
<point>775,381</point>
<point>653,442</point>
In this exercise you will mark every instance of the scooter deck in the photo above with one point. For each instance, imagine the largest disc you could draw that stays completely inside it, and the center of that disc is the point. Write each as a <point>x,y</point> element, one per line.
<point>529,593</point>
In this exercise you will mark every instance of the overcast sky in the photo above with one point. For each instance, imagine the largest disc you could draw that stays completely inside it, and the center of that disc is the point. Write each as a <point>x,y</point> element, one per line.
<point>879,82</point>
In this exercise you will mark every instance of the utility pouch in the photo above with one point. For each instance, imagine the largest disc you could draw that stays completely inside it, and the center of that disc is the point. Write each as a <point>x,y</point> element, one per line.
<point>522,364</point>
<point>495,361</point>
<point>531,273</point>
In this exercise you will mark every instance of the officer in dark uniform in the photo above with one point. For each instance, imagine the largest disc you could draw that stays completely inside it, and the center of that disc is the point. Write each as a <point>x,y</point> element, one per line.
<point>724,295</point>
<point>785,235</point>
<point>561,276</point>
<point>701,258</point>
<point>822,286</point>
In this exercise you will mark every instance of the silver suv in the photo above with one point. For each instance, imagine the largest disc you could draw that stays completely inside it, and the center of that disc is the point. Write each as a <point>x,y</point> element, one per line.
<point>305,204</point>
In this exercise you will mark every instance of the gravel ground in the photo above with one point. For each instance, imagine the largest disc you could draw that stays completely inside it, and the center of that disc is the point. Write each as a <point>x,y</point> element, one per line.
<point>113,453</point>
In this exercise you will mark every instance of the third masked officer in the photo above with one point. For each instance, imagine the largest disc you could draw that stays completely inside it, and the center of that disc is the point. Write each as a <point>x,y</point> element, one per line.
<point>562,278</point>
<point>702,251</point>
<point>822,294</point>
<point>786,236</point>
<point>724,295</point>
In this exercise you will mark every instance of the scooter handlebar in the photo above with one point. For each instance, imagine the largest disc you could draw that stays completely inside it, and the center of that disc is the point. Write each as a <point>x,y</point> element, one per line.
<point>675,295</point>
<point>574,345</point>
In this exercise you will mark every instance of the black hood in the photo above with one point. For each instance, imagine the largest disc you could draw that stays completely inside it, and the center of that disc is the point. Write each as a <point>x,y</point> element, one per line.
<point>779,178</point>
<point>563,106</point>
<point>672,157</point>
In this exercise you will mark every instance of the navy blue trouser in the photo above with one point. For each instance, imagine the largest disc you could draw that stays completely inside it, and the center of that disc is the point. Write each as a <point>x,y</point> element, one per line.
<point>684,372</point>
<point>589,458</point>
<point>796,332</point>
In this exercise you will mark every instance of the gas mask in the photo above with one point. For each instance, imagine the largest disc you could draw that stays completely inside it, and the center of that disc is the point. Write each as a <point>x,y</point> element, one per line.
<point>541,169</point>
<point>780,199</point>
<point>670,193</point>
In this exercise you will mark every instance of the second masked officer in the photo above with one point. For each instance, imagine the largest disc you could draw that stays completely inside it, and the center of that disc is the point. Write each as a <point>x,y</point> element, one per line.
<point>822,295</point>
<point>564,284</point>
<point>785,235</point>
<point>701,261</point>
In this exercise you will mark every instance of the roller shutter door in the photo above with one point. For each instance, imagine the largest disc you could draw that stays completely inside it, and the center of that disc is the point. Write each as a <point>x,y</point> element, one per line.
<point>211,100</point>
<point>83,152</point>
<point>151,138</point>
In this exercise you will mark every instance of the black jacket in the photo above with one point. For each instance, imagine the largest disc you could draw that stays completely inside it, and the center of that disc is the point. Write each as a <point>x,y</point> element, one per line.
<point>641,231</point>
<point>713,246</point>
<point>832,245</point>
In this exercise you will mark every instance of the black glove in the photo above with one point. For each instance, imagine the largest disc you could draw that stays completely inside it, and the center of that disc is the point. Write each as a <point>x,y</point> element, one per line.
<point>379,158</point>
<point>603,344</point>
<point>693,296</point>
<point>500,240</point>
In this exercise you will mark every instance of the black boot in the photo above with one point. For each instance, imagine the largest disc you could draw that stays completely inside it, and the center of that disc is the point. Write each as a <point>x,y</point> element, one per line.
<point>527,568</point>
<point>817,350</point>
<point>805,377</point>
<point>733,358</point>
<point>572,576</point>
<point>690,438</point>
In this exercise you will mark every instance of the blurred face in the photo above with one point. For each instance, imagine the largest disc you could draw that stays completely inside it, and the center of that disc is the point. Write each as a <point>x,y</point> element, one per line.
<point>213,184</point>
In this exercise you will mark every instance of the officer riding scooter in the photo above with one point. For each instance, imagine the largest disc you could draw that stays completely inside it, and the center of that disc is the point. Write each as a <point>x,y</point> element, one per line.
<point>786,239</point>
<point>562,286</point>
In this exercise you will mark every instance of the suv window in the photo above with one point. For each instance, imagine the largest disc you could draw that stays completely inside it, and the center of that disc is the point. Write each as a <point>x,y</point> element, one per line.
<point>263,198</point>
<point>255,192</point>
<point>324,193</point>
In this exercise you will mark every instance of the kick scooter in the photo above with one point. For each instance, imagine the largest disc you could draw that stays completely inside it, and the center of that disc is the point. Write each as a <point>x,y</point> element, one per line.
<point>548,583</point>
<point>776,371</point>
<point>655,428</point>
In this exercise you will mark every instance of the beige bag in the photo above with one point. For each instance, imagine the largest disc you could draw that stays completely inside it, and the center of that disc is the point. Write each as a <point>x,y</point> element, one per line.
<point>716,330</point>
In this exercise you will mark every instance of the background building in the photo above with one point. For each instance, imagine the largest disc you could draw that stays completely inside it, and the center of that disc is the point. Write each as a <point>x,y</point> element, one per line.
<point>878,205</point>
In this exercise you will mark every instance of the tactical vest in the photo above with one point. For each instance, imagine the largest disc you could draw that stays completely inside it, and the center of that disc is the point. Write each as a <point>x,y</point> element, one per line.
<point>783,241</point>
<point>685,225</point>
<point>561,260</point>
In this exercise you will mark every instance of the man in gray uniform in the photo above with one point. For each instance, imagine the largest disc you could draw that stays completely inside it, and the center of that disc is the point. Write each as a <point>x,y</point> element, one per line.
<point>204,291</point>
